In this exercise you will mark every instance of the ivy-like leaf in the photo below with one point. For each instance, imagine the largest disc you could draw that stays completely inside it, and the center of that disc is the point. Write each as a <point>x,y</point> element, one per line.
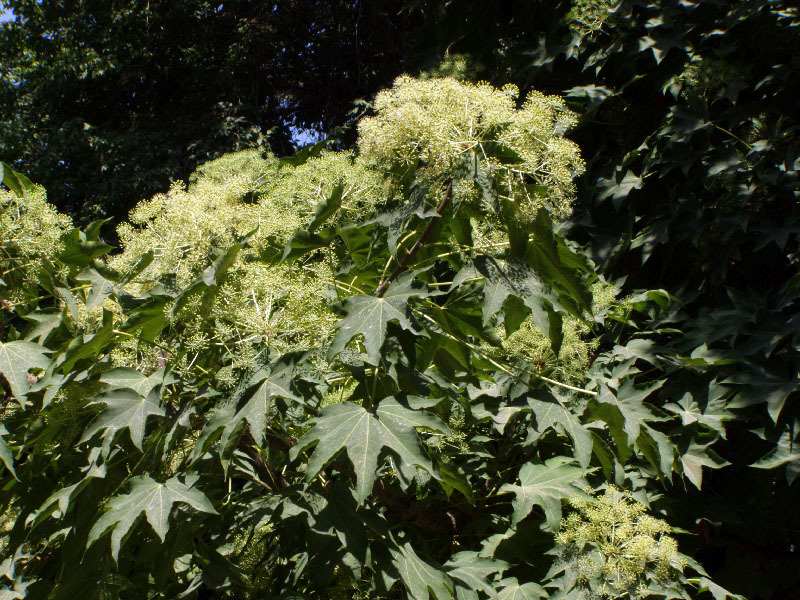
<point>149,497</point>
<point>545,485</point>
<point>125,409</point>
<point>16,359</point>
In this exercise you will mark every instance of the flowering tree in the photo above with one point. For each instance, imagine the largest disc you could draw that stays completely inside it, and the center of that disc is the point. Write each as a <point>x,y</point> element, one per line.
<point>301,378</point>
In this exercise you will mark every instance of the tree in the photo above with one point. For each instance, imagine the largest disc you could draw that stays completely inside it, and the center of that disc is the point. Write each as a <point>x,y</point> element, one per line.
<point>409,450</point>
<point>409,442</point>
<point>689,126</point>
<point>104,103</point>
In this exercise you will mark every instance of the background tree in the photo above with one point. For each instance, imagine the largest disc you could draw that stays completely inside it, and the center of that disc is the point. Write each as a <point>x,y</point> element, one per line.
<point>689,128</point>
<point>104,103</point>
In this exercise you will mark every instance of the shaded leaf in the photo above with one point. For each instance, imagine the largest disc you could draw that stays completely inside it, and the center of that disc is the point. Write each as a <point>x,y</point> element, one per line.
<point>368,316</point>
<point>545,485</point>
<point>472,573</point>
<point>125,409</point>
<point>150,497</point>
<point>552,413</point>
<point>16,359</point>
<point>5,452</point>
<point>421,580</point>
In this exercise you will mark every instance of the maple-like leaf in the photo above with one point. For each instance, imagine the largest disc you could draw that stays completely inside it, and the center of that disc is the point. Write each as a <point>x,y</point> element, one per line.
<point>713,415</point>
<point>16,359</point>
<point>626,411</point>
<point>526,591</point>
<point>125,408</point>
<point>368,316</point>
<point>421,579</point>
<point>362,435</point>
<point>399,423</point>
<point>258,403</point>
<point>513,279</point>
<point>350,427</point>
<point>472,574</point>
<point>698,456</point>
<point>545,485</point>
<point>786,452</point>
<point>549,414</point>
<point>125,377</point>
<point>153,499</point>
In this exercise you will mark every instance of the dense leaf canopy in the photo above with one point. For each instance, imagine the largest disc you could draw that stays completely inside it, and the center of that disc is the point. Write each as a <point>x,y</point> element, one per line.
<point>104,103</point>
<point>529,338</point>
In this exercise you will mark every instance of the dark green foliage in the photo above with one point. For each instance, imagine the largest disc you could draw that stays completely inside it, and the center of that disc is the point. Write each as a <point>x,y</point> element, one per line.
<point>689,128</point>
<point>105,103</point>
<point>419,462</point>
<point>422,461</point>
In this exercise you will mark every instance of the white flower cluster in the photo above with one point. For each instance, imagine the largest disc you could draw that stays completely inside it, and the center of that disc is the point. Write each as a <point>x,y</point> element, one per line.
<point>283,306</point>
<point>616,547</point>
<point>30,229</point>
<point>438,121</point>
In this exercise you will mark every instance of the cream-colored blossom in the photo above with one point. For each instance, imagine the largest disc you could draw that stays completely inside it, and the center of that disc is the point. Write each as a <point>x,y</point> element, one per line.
<point>613,544</point>
<point>440,121</point>
<point>283,306</point>
<point>30,229</point>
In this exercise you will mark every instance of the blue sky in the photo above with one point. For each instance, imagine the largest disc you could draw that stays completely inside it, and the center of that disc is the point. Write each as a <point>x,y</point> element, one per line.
<point>6,15</point>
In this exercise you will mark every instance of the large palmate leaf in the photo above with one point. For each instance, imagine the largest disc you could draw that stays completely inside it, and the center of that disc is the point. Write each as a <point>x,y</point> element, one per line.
<point>259,402</point>
<point>545,485</point>
<point>16,359</point>
<point>505,281</point>
<point>399,424</point>
<point>513,590</point>
<point>362,435</point>
<point>125,377</point>
<point>695,458</point>
<point>552,413</point>
<point>559,266</point>
<point>125,409</point>
<point>422,581</point>
<point>369,316</point>
<point>16,182</point>
<point>101,289</point>
<point>626,411</point>
<point>149,497</point>
<point>786,452</point>
<point>472,573</point>
<point>713,415</point>
<point>5,452</point>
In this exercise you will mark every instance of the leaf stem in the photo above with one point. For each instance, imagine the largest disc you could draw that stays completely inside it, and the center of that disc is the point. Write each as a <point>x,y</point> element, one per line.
<point>448,196</point>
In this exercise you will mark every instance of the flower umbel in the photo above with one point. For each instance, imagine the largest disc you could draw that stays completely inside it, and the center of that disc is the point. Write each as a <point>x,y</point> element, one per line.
<point>614,549</point>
